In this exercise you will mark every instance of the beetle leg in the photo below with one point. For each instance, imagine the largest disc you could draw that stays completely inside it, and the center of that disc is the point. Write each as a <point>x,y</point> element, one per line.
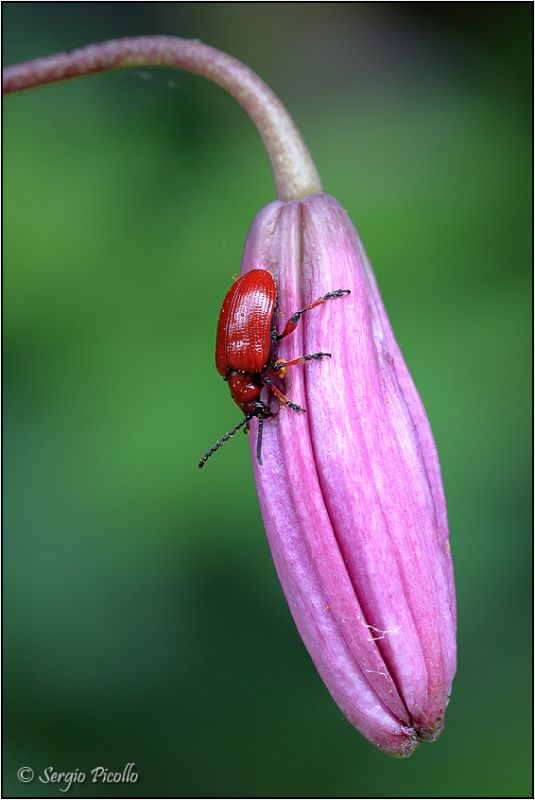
<point>291,325</point>
<point>279,367</point>
<point>280,396</point>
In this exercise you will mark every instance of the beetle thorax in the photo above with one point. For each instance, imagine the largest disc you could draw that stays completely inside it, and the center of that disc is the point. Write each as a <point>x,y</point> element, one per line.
<point>245,388</point>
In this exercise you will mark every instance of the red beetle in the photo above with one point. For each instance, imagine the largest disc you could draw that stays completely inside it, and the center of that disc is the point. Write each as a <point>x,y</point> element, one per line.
<point>246,348</point>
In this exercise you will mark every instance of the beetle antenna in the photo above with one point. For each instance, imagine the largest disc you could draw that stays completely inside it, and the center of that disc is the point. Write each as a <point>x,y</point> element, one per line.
<point>225,438</point>
<point>259,439</point>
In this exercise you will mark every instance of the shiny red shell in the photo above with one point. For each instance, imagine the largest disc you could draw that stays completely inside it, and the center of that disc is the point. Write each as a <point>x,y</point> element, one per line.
<point>243,341</point>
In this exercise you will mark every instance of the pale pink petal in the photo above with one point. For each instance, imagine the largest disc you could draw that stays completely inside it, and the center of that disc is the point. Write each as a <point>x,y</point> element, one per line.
<point>350,492</point>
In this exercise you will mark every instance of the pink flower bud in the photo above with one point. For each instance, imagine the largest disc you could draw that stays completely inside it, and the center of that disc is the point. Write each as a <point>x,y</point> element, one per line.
<point>350,492</point>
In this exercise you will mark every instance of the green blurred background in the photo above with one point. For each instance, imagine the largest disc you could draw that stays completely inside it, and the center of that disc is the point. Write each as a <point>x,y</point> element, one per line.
<point>143,619</point>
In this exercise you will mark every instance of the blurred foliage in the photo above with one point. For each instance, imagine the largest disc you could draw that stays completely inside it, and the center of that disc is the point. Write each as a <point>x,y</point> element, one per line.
<point>143,619</point>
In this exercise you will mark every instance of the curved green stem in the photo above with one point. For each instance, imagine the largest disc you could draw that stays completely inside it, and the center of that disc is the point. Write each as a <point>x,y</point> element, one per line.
<point>293,169</point>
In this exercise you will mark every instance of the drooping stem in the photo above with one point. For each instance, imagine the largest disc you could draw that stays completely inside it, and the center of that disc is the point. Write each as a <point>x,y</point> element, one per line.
<point>293,169</point>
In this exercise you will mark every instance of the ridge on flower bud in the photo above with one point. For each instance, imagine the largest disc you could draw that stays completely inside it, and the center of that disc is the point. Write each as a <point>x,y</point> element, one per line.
<point>351,493</point>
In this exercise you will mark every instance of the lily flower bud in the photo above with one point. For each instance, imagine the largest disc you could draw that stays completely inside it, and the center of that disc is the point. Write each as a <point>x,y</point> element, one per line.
<point>350,492</point>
